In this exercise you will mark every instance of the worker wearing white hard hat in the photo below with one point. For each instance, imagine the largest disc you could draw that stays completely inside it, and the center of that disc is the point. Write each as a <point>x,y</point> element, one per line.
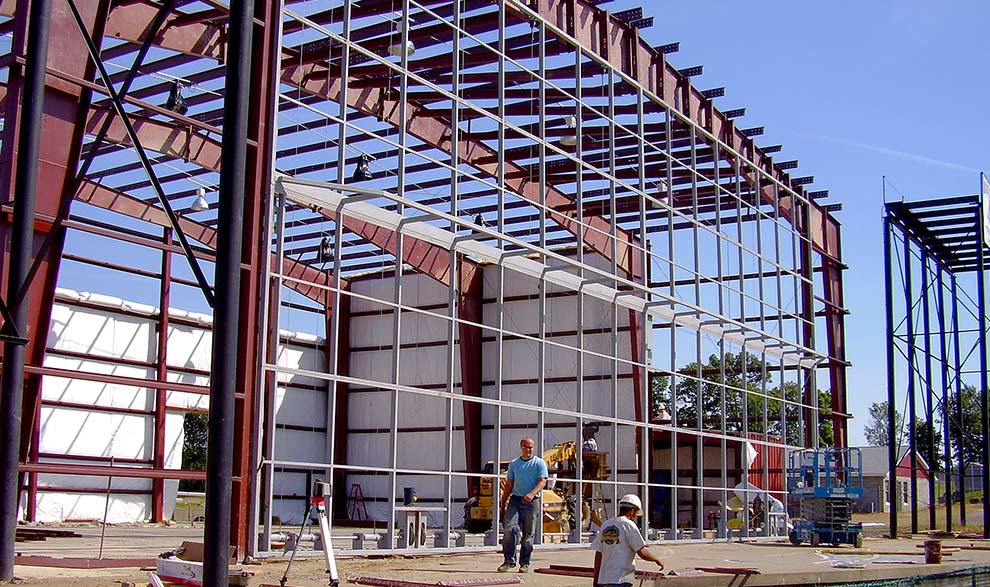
<point>617,544</point>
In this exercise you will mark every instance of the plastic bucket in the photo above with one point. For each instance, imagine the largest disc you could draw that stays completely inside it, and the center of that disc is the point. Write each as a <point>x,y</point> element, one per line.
<point>933,552</point>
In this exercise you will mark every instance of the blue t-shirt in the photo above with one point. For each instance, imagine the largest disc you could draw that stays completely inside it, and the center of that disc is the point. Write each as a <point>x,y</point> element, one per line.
<point>526,474</point>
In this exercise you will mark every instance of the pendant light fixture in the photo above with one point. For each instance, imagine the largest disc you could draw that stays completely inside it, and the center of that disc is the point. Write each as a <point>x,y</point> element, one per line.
<point>363,170</point>
<point>570,138</point>
<point>175,102</point>
<point>200,204</point>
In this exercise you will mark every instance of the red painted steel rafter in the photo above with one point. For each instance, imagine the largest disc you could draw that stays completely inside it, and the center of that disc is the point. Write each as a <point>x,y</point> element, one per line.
<point>110,199</point>
<point>204,39</point>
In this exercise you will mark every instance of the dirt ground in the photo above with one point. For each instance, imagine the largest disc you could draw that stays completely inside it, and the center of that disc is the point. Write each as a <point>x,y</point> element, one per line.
<point>778,562</point>
<point>878,524</point>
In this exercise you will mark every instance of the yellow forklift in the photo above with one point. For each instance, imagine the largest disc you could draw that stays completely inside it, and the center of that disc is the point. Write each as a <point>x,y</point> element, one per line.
<point>559,503</point>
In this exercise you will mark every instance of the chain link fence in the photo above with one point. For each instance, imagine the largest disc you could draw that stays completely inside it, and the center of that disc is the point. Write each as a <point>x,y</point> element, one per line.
<point>971,577</point>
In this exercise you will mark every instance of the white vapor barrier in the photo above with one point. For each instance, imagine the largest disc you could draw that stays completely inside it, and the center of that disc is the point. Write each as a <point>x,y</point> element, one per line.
<point>114,329</point>
<point>106,334</point>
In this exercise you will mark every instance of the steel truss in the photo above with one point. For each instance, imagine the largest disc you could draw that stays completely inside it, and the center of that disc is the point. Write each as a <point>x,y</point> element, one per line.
<point>935,276</point>
<point>657,182</point>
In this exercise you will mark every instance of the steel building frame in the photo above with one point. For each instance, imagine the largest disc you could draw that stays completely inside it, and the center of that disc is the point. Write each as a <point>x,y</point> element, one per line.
<point>936,251</point>
<point>658,180</point>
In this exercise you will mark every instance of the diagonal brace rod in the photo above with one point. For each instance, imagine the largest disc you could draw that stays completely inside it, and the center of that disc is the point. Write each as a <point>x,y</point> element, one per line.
<point>118,106</point>
<point>63,211</point>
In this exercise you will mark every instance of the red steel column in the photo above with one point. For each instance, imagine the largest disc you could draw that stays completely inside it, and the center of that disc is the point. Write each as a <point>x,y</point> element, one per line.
<point>835,328</point>
<point>161,373</point>
<point>341,420</point>
<point>261,131</point>
<point>807,313</point>
<point>470,308</point>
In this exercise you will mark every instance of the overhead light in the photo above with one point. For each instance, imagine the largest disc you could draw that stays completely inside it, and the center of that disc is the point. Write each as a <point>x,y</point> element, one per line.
<point>363,170</point>
<point>175,102</point>
<point>398,49</point>
<point>570,139</point>
<point>663,192</point>
<point>200,204</point>
<point>326,253</point>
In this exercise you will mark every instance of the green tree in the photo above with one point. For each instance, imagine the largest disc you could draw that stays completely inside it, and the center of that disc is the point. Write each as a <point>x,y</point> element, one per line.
<point>876,429</point>
<point>753,381</point>
<point>932,453</point>
<point>659,394</point>
<point>969,431</point>
<point>195,427</point>
<point>792,433</point>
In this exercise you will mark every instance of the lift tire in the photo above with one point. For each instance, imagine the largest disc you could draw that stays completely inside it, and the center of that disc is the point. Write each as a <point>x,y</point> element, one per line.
<point>793,537</point>
<point>473,526</point>
<point>814,539</point>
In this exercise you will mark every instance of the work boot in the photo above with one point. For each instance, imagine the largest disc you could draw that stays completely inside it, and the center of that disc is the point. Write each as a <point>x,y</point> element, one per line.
<point>523,568</point>
<point>506,567</point>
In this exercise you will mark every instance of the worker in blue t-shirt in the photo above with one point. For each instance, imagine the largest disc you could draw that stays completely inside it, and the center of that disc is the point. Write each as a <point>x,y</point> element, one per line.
<point>526,478</point>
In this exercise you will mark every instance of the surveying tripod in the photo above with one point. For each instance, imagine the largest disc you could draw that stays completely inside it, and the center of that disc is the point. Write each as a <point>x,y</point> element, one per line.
<point>318,502</point>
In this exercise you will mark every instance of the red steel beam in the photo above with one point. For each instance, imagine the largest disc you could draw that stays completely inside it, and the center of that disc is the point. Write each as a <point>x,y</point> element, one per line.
<point>111,199</point>
<point>621,46</point>
<point>108,471</point>
<point>203,39</point>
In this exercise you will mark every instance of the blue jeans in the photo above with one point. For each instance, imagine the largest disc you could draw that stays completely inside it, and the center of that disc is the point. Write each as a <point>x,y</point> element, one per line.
<point>520,518</point>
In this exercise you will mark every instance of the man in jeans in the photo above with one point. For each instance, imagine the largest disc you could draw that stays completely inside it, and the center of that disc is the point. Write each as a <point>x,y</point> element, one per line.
<point>526,478</point>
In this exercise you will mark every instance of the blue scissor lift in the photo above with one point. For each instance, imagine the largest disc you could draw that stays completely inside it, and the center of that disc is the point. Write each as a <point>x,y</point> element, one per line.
<point>826,482</point>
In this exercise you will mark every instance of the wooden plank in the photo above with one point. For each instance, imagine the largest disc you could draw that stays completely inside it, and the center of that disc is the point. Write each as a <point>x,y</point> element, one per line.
<point>730,570</point>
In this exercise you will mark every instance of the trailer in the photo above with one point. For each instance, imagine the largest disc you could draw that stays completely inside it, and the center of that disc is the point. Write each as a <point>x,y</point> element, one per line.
<point>825,482</point>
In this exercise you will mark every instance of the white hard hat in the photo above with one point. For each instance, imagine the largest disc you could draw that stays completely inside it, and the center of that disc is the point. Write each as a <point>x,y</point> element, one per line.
<point>633,500</point>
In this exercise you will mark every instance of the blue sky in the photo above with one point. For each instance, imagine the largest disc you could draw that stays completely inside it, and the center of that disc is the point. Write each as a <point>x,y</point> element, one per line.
<point>855,91</point>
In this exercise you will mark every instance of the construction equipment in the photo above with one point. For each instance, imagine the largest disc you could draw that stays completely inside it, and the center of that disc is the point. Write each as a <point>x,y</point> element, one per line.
<point>560,504</point>
<point>318,505</point>
<point>826,482</point>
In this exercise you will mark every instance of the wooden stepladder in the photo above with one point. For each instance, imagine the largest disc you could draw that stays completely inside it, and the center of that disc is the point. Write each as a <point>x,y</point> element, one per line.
<point>357,509</point>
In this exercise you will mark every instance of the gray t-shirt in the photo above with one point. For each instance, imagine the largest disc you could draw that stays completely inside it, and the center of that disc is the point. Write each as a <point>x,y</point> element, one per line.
<point>618,540</point>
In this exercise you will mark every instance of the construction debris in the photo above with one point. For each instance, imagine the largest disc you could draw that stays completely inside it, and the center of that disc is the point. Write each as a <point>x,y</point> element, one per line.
<point>387,582</point>
<point>730,570</point>
<point>24,534</point>
<point>575,571</point>
<point>81,563</point>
